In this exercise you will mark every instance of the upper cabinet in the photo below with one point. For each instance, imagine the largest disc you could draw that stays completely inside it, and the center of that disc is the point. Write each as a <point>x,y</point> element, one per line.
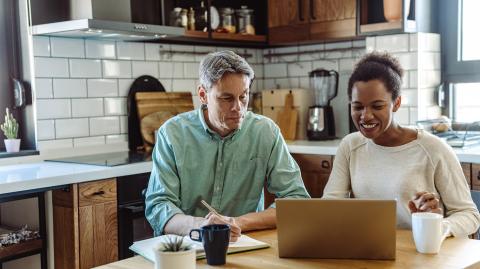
<point>395,16</point>
<point>292,21</point>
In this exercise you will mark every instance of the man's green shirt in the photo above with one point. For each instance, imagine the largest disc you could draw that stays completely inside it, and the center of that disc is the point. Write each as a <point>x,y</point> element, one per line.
<point>191,163</point>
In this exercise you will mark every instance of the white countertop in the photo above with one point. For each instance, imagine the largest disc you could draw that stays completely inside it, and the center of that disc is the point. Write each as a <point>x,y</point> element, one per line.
<point>41,174</point>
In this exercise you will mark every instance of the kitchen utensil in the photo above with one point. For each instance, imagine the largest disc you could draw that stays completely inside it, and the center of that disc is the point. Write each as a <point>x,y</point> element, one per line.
<point>321,124</point>
<point>170,103</point>
<point>287,118</point>
<point>214,18</point>
<point>149,124</point>
<point>141,84</point>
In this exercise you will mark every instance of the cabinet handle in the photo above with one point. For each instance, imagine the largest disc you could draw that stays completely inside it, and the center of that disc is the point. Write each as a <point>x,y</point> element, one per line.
<point>98,193</point>
<point>325,164</point>
<point>312,10</point>
<point>478,175</point>
<point>300,10</point>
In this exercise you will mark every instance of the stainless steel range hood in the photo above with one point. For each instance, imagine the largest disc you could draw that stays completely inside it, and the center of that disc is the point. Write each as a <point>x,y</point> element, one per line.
<point>109,30</point>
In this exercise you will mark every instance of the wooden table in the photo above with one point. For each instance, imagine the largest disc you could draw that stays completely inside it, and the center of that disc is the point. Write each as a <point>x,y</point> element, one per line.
<point>455,253</point>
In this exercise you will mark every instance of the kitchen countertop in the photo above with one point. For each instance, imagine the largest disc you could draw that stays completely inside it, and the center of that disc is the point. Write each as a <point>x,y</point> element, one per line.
<point>44,175</point>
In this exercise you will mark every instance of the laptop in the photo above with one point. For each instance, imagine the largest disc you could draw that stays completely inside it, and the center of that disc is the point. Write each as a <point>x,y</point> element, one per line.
<point>336,228</point>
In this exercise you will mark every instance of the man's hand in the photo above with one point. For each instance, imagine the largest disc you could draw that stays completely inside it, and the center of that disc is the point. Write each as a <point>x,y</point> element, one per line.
<point>235,230</point>
<point>425,202</point>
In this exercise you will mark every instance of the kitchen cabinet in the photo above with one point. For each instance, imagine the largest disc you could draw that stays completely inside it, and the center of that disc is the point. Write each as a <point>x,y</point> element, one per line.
<point>476,176</point>
<point>467,171</point>
<point>415,16</point>
<point>315,171</point>
<point>291,21</point>
<point>85,224</point>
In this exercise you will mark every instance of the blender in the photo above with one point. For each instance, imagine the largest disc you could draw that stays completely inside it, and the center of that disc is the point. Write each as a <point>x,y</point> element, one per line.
<point>321,124</point>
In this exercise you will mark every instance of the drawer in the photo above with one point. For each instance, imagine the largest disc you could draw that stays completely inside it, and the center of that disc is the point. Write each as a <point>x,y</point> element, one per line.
<point>314,163</point>
<point>467,171</point>
<point>96,192</point>
<point>476,176</point>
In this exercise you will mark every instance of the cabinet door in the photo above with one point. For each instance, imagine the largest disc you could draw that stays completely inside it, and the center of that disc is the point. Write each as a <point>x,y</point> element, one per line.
<point>467,171</point>
<point>98,234</point>
<point>476,176</point>
<point>315,172</point>
<point>332,19</point>
<point>97,216</point>
<point>287,21</point>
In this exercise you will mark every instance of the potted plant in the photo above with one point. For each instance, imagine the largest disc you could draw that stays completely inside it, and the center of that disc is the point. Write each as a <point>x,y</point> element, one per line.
<point>10,130</point>
<point>173,252</point>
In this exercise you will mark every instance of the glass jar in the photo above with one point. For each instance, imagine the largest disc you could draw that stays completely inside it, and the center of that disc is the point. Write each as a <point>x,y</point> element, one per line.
<point>184,18</point>
<point>176,17</point>
<point>191,19</point>
<point>201,16</point>
<point>227,20</point>
<point>245,21</point>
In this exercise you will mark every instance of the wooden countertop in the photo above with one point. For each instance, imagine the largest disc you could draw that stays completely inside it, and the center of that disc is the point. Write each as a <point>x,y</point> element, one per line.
<point>455,253</point>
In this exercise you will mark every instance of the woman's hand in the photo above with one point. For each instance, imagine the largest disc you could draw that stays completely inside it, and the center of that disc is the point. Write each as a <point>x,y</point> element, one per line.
<point>425,202</point>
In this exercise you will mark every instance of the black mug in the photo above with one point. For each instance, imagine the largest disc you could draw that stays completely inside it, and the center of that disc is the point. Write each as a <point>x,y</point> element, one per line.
<point>215,239</point>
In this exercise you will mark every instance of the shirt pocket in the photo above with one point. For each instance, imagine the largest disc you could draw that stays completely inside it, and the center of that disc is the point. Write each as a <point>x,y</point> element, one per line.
<point>253,173</point>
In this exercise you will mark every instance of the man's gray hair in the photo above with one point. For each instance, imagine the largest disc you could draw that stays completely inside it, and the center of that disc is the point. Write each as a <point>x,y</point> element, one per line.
<point>216,64</point>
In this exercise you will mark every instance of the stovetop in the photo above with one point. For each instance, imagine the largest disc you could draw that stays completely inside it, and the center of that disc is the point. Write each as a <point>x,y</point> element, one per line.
<point>107,159</point>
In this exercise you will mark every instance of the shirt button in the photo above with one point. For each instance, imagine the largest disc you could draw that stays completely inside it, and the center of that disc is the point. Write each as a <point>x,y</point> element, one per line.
<point>221,164</point>
<point>218,188</point>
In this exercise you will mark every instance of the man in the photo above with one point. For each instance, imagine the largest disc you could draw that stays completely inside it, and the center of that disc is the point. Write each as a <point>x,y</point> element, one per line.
<point>222,154</point>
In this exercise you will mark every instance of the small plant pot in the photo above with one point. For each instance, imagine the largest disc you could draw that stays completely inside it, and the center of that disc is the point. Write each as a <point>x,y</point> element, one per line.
<point>12,145</point>
<point>392,9</point>
<point>181,259</point>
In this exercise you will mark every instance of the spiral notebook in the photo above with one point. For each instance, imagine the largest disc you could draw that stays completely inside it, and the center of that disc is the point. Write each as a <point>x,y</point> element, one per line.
<point>244,243</point>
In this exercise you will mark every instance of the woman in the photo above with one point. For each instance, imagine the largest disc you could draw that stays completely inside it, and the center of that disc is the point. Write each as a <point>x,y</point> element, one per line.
<point>385,160</point>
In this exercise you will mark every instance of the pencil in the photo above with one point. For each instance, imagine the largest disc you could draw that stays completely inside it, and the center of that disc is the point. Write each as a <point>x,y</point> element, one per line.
<point>210,208</point>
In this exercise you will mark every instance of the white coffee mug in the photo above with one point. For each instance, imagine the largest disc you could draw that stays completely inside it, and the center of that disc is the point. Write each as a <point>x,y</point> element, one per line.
<point>429,231</point>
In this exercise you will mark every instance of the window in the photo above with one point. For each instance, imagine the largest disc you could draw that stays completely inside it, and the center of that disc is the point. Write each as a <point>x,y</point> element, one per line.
<point>470,39</point>
<point>466,107</point>
<point>458,24</point>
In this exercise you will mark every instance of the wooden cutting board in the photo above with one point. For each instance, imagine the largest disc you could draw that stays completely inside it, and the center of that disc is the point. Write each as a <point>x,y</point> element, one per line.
<point>154,108</point>
<point>287,119</point>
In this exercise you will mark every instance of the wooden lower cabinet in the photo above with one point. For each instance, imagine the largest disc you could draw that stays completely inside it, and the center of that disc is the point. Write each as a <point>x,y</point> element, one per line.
<point>85,225</point>
<point>316,170</point>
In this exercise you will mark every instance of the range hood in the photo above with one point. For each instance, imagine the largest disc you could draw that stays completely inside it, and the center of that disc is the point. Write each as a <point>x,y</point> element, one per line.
<point>108,30</point>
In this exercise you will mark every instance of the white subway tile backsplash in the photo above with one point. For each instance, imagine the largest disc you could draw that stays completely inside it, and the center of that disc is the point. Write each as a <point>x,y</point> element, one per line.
<point>69,128</point>
<point>346,65</point>
<point>55,144</point>
<point>370,43</point>
<point>304,83</point>
<point>326,64</point>
<point>429,78</point>
<point>53,109</point>
<point>41,46</point>
<point>117,69</point>
<point>115,139</point>
<point>102,87</point>
<point>338,54</point>
<point>429,42</point>
<point>85,68</point>
<point>123,124</point>
<point>115,106</point>
<point>167,84</point>
<point>178,70</point>
<point>124,86</point>
<point>45,129</point>
<point>269,84</point>
<point>182,53</point>
<point>104,126</point>
<point>88,141</point>
<point>196,102</point>
<point>359,43</point>
<point>100,49</point>
<point>299,69</point>
<point>430,60</point>
<point>131,50</point>
<point>152,52</point>
<point>190,70</point>
<point>393,43</point>
<point>144,68</point>
<point>67,47</point>
<point>409,61</point>
<point>203,49</point>
<point>258,69</point>
<point>69,88</point>
<point>184,85</point>
<point>91,107</point>
<point>166,69</point>
<point>43,88</point>
<point>413,79</point>
<point>51,67</point>
<point>275,70</point>
<point>402,116</point>
<point>426,97</point>
<point>409,97</point>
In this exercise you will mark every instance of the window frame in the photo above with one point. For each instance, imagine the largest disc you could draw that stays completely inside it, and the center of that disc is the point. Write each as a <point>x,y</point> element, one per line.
<point>454,69</point>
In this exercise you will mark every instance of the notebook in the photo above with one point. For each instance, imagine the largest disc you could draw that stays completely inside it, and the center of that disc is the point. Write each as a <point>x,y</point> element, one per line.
<point>336,228</point>
<point>244,243</point>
